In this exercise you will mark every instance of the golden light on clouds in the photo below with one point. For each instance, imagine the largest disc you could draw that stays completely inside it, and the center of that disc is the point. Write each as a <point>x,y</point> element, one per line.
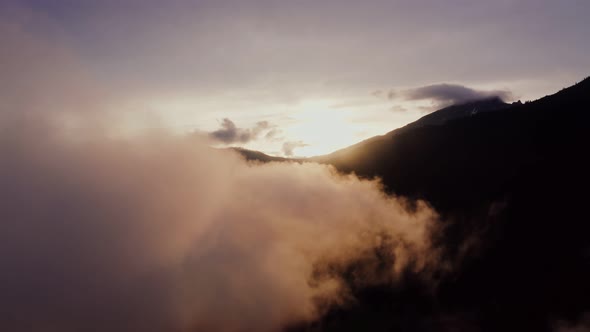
<point>315,126</point>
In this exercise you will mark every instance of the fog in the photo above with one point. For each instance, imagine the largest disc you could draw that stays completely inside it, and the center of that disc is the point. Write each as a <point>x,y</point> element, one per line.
<point>109,226</point>
<point>158,231</point>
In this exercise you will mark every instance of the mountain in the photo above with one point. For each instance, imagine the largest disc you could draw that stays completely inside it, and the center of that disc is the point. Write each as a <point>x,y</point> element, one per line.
<point>510,182</point>
<point>454,148</point>
<point>453,112</point>
<point>513,180</point>
<point>257,155</point>
<point>437,118</point>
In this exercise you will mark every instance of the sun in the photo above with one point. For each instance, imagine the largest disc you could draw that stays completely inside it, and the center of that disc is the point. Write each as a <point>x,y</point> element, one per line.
<point>322,128</point>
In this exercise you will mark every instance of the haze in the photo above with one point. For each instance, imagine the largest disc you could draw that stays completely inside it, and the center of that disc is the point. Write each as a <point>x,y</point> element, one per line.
<point>151,179</point>
<point>305,66</point>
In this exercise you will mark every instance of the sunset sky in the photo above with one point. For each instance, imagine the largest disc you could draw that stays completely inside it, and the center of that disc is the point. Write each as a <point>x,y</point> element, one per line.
<point>295,78</point>
<point>129,199</point>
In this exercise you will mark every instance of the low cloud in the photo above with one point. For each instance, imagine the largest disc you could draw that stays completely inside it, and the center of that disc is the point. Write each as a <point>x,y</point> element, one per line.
<point>162,233</point>
<point>447,94</point>
<point>289,147</point>
<point>229,133</point>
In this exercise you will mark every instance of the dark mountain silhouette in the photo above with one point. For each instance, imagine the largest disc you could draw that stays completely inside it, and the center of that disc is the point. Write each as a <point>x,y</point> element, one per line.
<point>511,184</point>
<point>257,155</point>
<point>437,118</point>
<point>479,155</point>
<point>447,114</point>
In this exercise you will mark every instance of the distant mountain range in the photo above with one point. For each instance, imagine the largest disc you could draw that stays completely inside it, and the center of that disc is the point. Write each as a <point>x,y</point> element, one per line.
<point>511,178</point>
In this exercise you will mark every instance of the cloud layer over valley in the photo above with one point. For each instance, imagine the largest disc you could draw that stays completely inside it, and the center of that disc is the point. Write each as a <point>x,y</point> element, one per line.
<point>159,232</point>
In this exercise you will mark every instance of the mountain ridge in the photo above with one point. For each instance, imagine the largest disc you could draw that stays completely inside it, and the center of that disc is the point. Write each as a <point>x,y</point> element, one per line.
<point>465,109</point>
<point>510,186</point>
<point>514,182</point>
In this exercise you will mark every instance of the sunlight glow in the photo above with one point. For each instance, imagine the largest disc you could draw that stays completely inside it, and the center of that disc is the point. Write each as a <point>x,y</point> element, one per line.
<point>323,129</point>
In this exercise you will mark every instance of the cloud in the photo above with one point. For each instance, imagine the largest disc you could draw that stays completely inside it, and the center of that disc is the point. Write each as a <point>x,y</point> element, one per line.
<point>159,232</point>
<point>229,133</point>
<point>272,135</point>
<point>398,109</point>
<point>289,147</point>
<point>447,94</point>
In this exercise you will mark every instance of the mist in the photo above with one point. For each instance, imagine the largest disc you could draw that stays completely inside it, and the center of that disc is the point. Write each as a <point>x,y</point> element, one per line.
<point>159,232</point>
<point>111,221</point>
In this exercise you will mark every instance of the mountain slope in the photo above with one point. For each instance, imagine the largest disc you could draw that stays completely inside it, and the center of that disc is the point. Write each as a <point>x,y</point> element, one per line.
<point>514,182</point>
<point>481,151</point>
<point>257,155</point>
<point>453,112</point>
<point>437,118</point>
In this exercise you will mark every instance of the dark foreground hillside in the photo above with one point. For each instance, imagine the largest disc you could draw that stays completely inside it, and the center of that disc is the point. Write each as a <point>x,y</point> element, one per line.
<point>512,187</point>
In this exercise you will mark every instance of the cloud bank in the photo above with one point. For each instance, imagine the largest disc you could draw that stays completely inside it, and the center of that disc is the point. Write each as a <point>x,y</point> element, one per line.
<point>161,233</point>
<point>448,94</point>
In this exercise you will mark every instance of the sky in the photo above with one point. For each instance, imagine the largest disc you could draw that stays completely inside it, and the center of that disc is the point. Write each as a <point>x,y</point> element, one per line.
<point>116,214</point>
<point>293,78</point>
